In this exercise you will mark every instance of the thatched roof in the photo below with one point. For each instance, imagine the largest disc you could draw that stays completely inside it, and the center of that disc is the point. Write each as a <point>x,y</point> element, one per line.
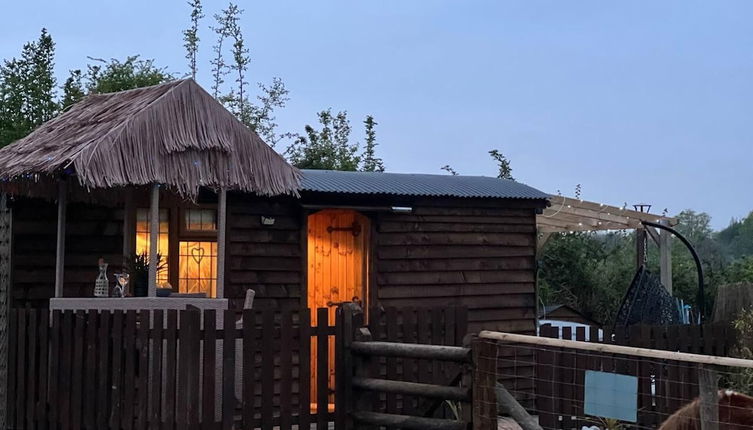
<point>174,134</point>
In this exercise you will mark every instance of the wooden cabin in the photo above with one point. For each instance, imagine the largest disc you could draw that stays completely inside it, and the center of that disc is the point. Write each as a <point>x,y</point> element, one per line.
<point>228,214</point>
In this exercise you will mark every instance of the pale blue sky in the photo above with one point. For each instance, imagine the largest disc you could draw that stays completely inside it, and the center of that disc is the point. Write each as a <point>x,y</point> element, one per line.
<point>639,101</point>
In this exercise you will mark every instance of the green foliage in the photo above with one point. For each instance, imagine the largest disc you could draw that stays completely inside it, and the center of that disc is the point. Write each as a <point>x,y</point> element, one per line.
<point>27,89</point>
<point>371,163</point>
<point>73,89</point>
<point>740,270</point>
<point>588,271</point>
<point>191,36</point>
<point>115,75</point>
<point>330,147</point>
<point>503,164</point>
<point>591,271</point>
<point>327,148</point>
<point>260,117</point>
<point>737,238</point>
<point>222,30</point>
<point>505,170</point>
<point>742,379</point>
<point>447,168</point>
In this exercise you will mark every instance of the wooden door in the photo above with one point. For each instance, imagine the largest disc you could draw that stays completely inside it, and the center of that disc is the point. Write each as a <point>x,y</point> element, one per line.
<point>337,271</point>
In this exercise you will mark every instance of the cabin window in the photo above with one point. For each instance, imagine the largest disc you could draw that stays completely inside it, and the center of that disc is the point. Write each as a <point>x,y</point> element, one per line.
<point>163,242</point>
<point>190,233</point>
<point>200,220</point>
<point>198,267</point>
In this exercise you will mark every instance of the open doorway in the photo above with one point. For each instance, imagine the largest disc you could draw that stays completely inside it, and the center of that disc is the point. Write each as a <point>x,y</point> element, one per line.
<point>338,261</point>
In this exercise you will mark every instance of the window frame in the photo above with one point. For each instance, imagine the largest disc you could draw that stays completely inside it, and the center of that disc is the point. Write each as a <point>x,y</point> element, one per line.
<point>200,235</point>
<point>177,231</point>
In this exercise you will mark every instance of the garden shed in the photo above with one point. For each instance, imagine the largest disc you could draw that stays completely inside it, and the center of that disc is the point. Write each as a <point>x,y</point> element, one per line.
<point>167,170</point>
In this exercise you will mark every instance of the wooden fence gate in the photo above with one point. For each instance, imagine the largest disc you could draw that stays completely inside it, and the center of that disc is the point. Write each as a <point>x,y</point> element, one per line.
<point>403,385</point>
<point>188,369</point>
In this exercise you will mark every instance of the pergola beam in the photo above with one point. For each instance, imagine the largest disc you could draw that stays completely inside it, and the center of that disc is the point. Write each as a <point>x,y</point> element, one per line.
<point>569,214</point>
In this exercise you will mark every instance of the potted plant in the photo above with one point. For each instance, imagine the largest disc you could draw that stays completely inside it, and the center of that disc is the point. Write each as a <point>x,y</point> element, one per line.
<point>138,267</point>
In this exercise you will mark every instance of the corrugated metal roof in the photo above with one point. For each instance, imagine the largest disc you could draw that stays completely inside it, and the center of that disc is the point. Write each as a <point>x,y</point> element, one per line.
<point>415,184</point>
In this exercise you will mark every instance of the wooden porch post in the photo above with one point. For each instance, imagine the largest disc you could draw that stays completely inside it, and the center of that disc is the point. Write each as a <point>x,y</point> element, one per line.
<point>221,235</point>
<point>665,258</point>
<point>153,238</point>
<point>60,250</point>
<point>128,226</point>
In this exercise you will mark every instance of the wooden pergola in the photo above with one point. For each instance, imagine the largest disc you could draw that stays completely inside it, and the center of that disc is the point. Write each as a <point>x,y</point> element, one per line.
<point>568,214</point>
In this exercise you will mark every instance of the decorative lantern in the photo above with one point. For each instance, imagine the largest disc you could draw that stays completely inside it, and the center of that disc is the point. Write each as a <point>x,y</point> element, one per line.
<point>101,288</point>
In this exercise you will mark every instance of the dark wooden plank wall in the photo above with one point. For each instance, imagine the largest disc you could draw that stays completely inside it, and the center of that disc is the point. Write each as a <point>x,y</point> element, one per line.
<point>91,232</point>
<point>461,252</point>
<point>265,258</point>
<point>474,253</point>
<point>471,253</point>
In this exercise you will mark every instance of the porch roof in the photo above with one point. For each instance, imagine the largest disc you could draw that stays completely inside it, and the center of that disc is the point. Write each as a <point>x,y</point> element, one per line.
<point>174,134</point>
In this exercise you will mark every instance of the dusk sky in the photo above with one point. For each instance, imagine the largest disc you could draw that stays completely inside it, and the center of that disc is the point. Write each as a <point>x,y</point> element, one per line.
<point>639,101</point>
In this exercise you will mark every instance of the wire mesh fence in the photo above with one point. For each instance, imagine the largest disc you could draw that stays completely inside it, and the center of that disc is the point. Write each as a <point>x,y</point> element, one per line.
<point>572,388</point>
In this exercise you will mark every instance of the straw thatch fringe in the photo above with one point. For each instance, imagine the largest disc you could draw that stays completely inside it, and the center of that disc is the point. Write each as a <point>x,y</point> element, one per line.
<point>174,134</point>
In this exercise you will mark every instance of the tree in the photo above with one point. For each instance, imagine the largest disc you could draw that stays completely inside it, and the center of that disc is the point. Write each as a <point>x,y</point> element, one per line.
<point>73,89</point>
<point>191,36</point>
<point>505,171</point>
<point>447,168</point>
<point>219,67</point>
<point>503,164</point>
<point>111,76</point>
<point>27,89</point>
<point>260,117</point>
<point>371,163</point>
<point>328,148</point>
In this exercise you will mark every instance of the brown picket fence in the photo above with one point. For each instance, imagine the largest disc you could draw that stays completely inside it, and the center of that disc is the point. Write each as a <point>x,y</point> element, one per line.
<point>182,369</point>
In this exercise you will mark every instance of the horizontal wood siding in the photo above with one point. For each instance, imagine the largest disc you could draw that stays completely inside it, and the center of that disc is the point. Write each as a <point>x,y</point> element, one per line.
<point>467,253</point>
<point>265,258</point>
<point>91,232</point>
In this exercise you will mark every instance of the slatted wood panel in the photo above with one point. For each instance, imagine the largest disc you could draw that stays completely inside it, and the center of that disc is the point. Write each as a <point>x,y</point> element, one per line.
<point>138,370</point>
<point>663,386</point>
<point>141,370</point>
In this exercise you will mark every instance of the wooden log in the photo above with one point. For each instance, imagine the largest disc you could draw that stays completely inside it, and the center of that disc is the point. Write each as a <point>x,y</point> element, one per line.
<point>617,349</point>
<point>708,380</point>
<point>412,388</point>
<point>429,352</point>
<point>507,404</point>
<point>407,422</point>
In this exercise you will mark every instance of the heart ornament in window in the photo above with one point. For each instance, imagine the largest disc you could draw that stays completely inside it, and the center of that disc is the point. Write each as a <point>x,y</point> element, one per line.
<point>197,254</point>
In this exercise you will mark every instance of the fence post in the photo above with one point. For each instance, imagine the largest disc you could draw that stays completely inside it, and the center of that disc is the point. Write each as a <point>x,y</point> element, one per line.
<point>361,400</point>
<point>484,402</point>
<point>344,365</point>
<point>708,387</point>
